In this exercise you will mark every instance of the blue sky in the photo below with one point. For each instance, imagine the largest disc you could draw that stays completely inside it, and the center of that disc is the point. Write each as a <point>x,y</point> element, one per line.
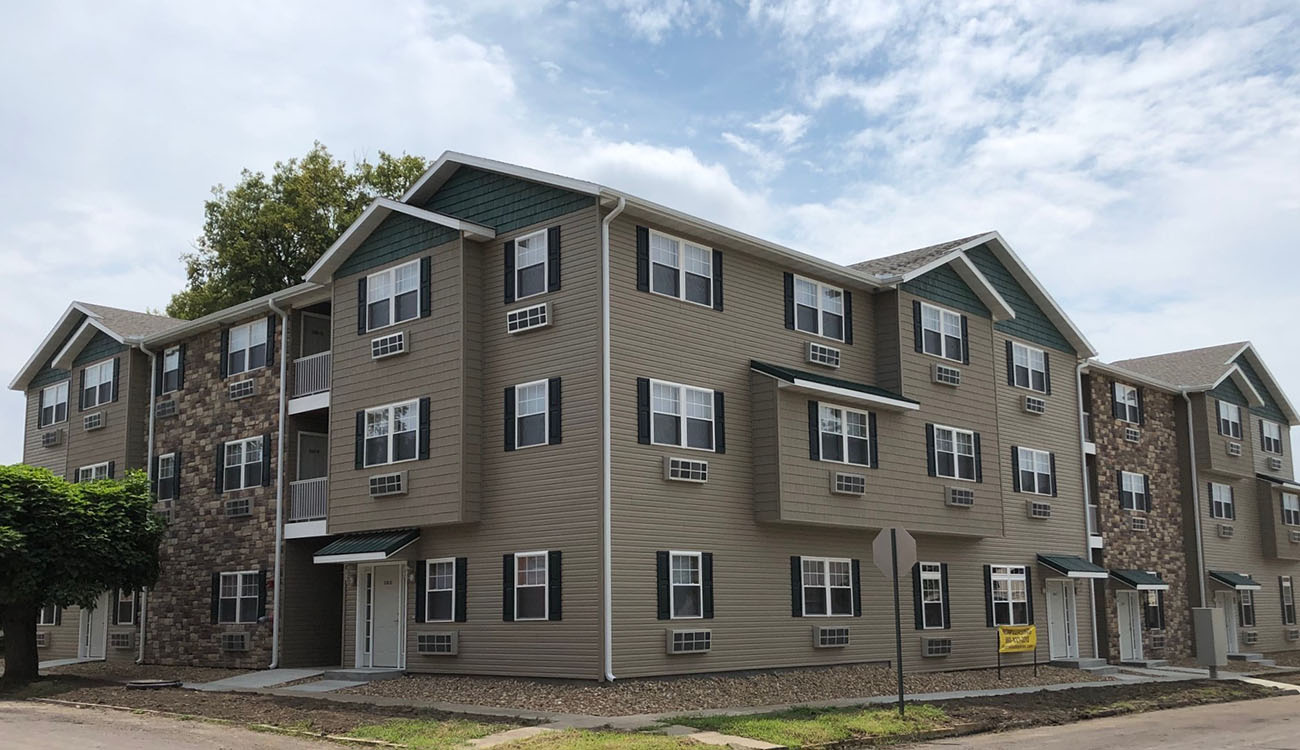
<point>1142,157</point>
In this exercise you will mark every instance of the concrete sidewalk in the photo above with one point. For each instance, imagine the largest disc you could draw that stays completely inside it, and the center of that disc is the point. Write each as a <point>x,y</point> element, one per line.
<point>256,680</point>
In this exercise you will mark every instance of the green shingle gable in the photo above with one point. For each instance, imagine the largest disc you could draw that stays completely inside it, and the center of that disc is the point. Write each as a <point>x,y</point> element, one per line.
<point>101,346</point>
<point>1270,409</point>
<point>1228,391</point>
<point>395,238</point>
<point>47,375</point>
<point>945,287</point>
<point>502,202</point>
<point>1030,323</point>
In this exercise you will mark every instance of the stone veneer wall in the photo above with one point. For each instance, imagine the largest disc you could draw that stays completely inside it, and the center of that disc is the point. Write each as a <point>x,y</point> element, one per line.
<point>1160,547</point>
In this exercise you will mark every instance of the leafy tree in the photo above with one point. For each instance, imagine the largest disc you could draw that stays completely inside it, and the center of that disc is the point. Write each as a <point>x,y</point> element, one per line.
<point>65,544</point>
<point>263,234</point>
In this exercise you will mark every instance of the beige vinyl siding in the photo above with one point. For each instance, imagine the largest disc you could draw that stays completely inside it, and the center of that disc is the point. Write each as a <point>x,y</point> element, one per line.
<point>34,453</point>
<point>64,638</point>
<point>311,601</point>
<point>138,398</point>
<point>765,402</point>
<point>1275,534</point>
<point>889,340</point>
<point>112,441</point>
<point>1215,450</point>
<point>1257,447</point>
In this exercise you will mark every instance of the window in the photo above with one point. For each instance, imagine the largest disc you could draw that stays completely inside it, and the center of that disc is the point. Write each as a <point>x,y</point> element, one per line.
<point>531,415</point>
<point>247,347</point>
<point>1290,509</point>
<point>1229,420</point>
<point>1221,501</point>
<point>93,473</point>
<point>1246,606</point>
<point>827,586</point>
<point>440,590</point>
<point>97,385</point>
<point>687,586</point>
<point>1153,606</point>
<point>941,332</point>
<point>669,403</point>
<point>165,475</point>
<point>243,464</point>
<point>1029,366</point>
<point>818,308</point>
<point>1271,432</point>
<point>845,436</point>
<point>530,265</point>
<point>125,605</point>
<point>1035,471</point>
<point>531,586</point>
<point>954,453</point>
<point>54,404</point>
<point>171,369</point>
<point>49,615</point>
<point>239,596</point>
<point>1010,595</point>
<point>393,295</point>
<point>1133,492</point>
<point>931,595</point>
<point>1288,601</point>
<point>392,433</point>
<point>681,269</point>
<point>1126,403</point>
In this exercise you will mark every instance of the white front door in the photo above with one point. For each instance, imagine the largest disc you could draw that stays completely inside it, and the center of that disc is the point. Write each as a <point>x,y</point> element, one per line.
<point>313,449</point>
<point>1128,617</point>
<point>1227,601</point>
<point>1062,629</point>
<point>381,614</point>
<point>94,628</point>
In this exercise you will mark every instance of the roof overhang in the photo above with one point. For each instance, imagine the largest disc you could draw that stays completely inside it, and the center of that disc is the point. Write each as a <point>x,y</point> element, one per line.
<point>974,279</point>
<point>1072,566</point>
<point>1270,382</point>
<point>68,322</point>
<point>369,221</point>
<point>301,294</point>
<point>63,360</point>
<point>1140,580</point>
<point>841,390</point>
<point>1238,581</point>
<point>368,547</point>
<point>1279,481</point>
<point>1096,365</point>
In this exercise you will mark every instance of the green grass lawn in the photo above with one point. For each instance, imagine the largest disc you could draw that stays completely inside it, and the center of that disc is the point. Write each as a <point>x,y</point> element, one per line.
<point>807,726</point>
<point>425,734</point>
<point>581,739</point>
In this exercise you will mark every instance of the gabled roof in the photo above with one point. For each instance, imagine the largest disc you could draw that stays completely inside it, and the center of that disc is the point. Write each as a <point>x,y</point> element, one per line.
<point>78,325</point>
<point>903,263</point>
<point>1206,368</point>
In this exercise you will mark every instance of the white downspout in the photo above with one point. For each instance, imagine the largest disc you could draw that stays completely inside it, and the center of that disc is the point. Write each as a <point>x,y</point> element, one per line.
<point>1196,498</point>
<point>279,485</point>
<point>148,468</point>
<point>606,552</point>
<point>1087,503</point>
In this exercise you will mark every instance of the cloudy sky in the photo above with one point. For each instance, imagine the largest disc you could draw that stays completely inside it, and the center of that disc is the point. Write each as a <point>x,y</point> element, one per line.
<point>1144,158</point>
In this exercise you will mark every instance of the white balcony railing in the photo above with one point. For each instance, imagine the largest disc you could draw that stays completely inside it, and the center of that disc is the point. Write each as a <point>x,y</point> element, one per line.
<point>311,374</point>
<point>308,499</point>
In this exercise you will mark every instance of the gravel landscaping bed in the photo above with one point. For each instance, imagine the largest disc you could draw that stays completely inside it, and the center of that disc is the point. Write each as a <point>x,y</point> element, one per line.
<point>119,672</point>
<point>1285,658</point>
<point>640,696</point>
<point>1239,667</point>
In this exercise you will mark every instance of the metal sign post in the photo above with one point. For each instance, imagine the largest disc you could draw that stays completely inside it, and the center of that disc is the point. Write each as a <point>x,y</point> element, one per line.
<point>895,549</point>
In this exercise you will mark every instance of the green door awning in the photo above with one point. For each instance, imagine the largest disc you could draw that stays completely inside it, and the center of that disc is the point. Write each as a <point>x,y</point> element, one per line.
<point>369,547</point>
<point>1140,580</point>
<point>1238,581</point>
<point>1072,566</point>
<point>817,383</point>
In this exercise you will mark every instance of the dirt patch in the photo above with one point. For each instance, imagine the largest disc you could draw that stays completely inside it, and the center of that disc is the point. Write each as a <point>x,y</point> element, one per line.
<point>1238,667</point>
<point>118,672</point>
<point>1285,658</point>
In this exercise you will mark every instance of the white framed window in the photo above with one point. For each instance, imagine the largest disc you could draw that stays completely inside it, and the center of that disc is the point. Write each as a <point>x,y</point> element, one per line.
<point>687,587</point>
<point>440,590</point>
<point>171,369</point>
<point>954,453</point>
<point>532,417</point>
<point>531,586</point>
<point>531,264</point>
<point>1246,603</point>
<point>392,433</point>
<point>818,308</point>
<point>941,332</point>
<point>98,385</point>
<point>1126,400</point>
<point>54,404</point>
<point>1133,492</point>
<point>238,597</point>
<point>827,586</point>
<point>1271,434</point>
<point>670,405</point>
<point>845,435</point>
<point>165,475</point>
<point>393,295</point>
<point>49,615</point>
<point>1221,505</point>
<point>1290,509</point>
<point>680,268</point>
<point>1029,367</point>
<point>1229,420</point>
<point>93,472</point>
<point>1035,471</point>
<point>931,595</point>
<point>125,604</point>
<point>1010,591</point>
<point>246,349</point>
<point>243,464</point>
<point>1288,601</point>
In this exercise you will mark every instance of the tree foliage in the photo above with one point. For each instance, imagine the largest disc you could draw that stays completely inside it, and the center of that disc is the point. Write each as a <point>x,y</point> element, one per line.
<point>264,233</point>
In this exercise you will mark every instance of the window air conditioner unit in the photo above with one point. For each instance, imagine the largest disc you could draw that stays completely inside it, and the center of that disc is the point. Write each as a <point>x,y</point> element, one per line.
<point>121,641</point>
<point>52,438</point>
<point>383,485</point>
<point>1038,510</point>
<point>1295,537</point>
<point>945,375</point>
<point>242,389</point>
<point>933,647</point>
<point>1137,523</point>
<point>165,408</point>
<point>1274,463</point>
<point>820,354</point>
<point>1293,634</point>
<point>1132,434</point>
<point>1225,530</point>
<point>234,641</point>
<point>1234,449</point>
<point>42,640</point>
<point>93,421</point>
<point>1035,405</point>
<point>685,469</point>
<point>387,346</point>
<point>528,318</point>
<point>959,497</point>
<point>238,507</point>
<point>843,483</point>
<point>689,641</point>
<point>1249,637</point>
<point>438,644</point>
<point>834,636</point>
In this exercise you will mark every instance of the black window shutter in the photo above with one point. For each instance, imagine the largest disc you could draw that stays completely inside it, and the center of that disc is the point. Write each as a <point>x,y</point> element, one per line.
<point>361,307</point>
<point>58,616</point>
<point>917,615</point>
<point>706,584</point>
<point>221,468</point>
<point>508,587</point>
<point>266,460</point>
<point>873,443</point>
<point>508,266</point>
<point>848,317</point>
<point>425,427</point>
<point>916,325</point>
<point>555,578</point>
<point>662,591</point>
<point>508,423</point>
<point>261,594</point>
<point>1281,581</point>
<point>176,476</point>
<point>1160,606</point>
<point>929,451</point>
<point>1011,363</point>
<point>717,279</point>
<point>553,259</point>
<point>965,342</point>
<point>158,374</point>
<point>81,392</point>
<point>796,587</point>
<point>988,596</point>
<point>112,465</point>
<point>462,589</point>
<point>643,411</point>
<point>421,589</point>
<point>814,431</point>
<point>789,301</point>
<point>554,424</point>
<point>426,286</point>
<point>1232,512</point>
<point>1114,401</point>
<point>117,596</point>
<point>1142,414</point>
<point>1051,458</point>
<point>719,423</point>
<point>180,370</point>
<point>153,476</point>
<point>270,339</point>
<point>642,259</point>
<point>857,587</point>
<point>1015,468</point>
<point>117,376</point>
<point>224,364</point>
<point>359,447</point>
<point>1209,497</point>
<point>1119,486</point>
<point>1047,373</point>
<point>979,460</point>
<point>1029,592</point>
<point>40,409</point>
<point>1146,492</point>
<point>216,597</point>
<point>943,585</point>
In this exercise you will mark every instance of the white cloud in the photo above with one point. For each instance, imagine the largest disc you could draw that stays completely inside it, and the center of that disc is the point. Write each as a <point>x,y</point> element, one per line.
<point>786,127</point>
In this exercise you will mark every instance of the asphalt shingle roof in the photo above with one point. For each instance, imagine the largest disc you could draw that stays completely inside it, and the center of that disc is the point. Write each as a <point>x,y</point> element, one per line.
<point>129,323</point>
<point>901,263</point>
<point>1190,368</point>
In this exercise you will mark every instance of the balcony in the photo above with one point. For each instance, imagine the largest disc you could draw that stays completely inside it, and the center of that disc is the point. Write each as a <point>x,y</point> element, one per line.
<point>308,506</point>
<point>311,383</point>
<point>1089,443</point>
<point>1094,528</point>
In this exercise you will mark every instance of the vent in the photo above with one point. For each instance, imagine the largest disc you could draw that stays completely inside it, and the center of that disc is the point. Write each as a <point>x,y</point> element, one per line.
<point>820,354</point>
<point>1035,405</point>
<point>689,641</point>
<point>1295,537</point>
<point>387,346</point>
<point>1137,523</point>
<point>933,647</point>
<point>121,640</point>
<point>165,408</point>
<point>1234,449</point>
<point>1225,530</point>
<point>1038,510</point>
<point>1249,637</point>
<point>242,389</point>
<point>234,641</point>
<point>685,469</point>
<point>1158,641</point>
<point>383,485</point>
<point>959,497</point>
<point>528,318</point>
<point>42,640</point>
<point>945,375</point>
<point>52,438</point>
<point>1274,463</point>
<point>843,483</point>
<point>1293,634</point>
<point>93,421</point>
<point>1132,434</point>
<point>438,644</point>
<point>164,509</point>
<point>835,636</point>
<point>238,507</point>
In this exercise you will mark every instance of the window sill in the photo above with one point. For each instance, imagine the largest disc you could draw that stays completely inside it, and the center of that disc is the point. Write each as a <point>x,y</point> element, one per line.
<point>1030,389</point>
<point>534,445</point>
<point>943,358</point>
<point>709,306</point>
<point>516,299</point>
<point>839,341</point>
<point>241,372</point>
<point>684,447</point>
<point>958,479</point>
<point>389,463</point>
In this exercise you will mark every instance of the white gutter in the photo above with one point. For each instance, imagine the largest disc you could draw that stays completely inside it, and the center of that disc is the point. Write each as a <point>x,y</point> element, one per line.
<point>1196,497</point>
<point>148,468</point>
<point>1087,532</point>
<point>279,485</point>
<point>607,593</point>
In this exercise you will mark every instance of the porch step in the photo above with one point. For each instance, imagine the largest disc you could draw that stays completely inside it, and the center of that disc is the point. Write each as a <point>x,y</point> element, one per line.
<point>1265,662</point>
<point>1145,663</point>
<point>1078,663</point>
<point>362,675</point>
<point>1251,657</point>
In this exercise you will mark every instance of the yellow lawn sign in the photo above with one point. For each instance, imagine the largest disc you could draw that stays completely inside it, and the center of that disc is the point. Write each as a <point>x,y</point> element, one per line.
<point>1015,639</point>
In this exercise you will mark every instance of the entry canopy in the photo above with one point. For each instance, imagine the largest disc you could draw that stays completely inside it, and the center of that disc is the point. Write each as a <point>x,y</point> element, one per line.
<point>1140,580</point>
<point>1072,566</point>
<point>1238,581</point>
<point>820,385</point>
<point>371,547</point>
